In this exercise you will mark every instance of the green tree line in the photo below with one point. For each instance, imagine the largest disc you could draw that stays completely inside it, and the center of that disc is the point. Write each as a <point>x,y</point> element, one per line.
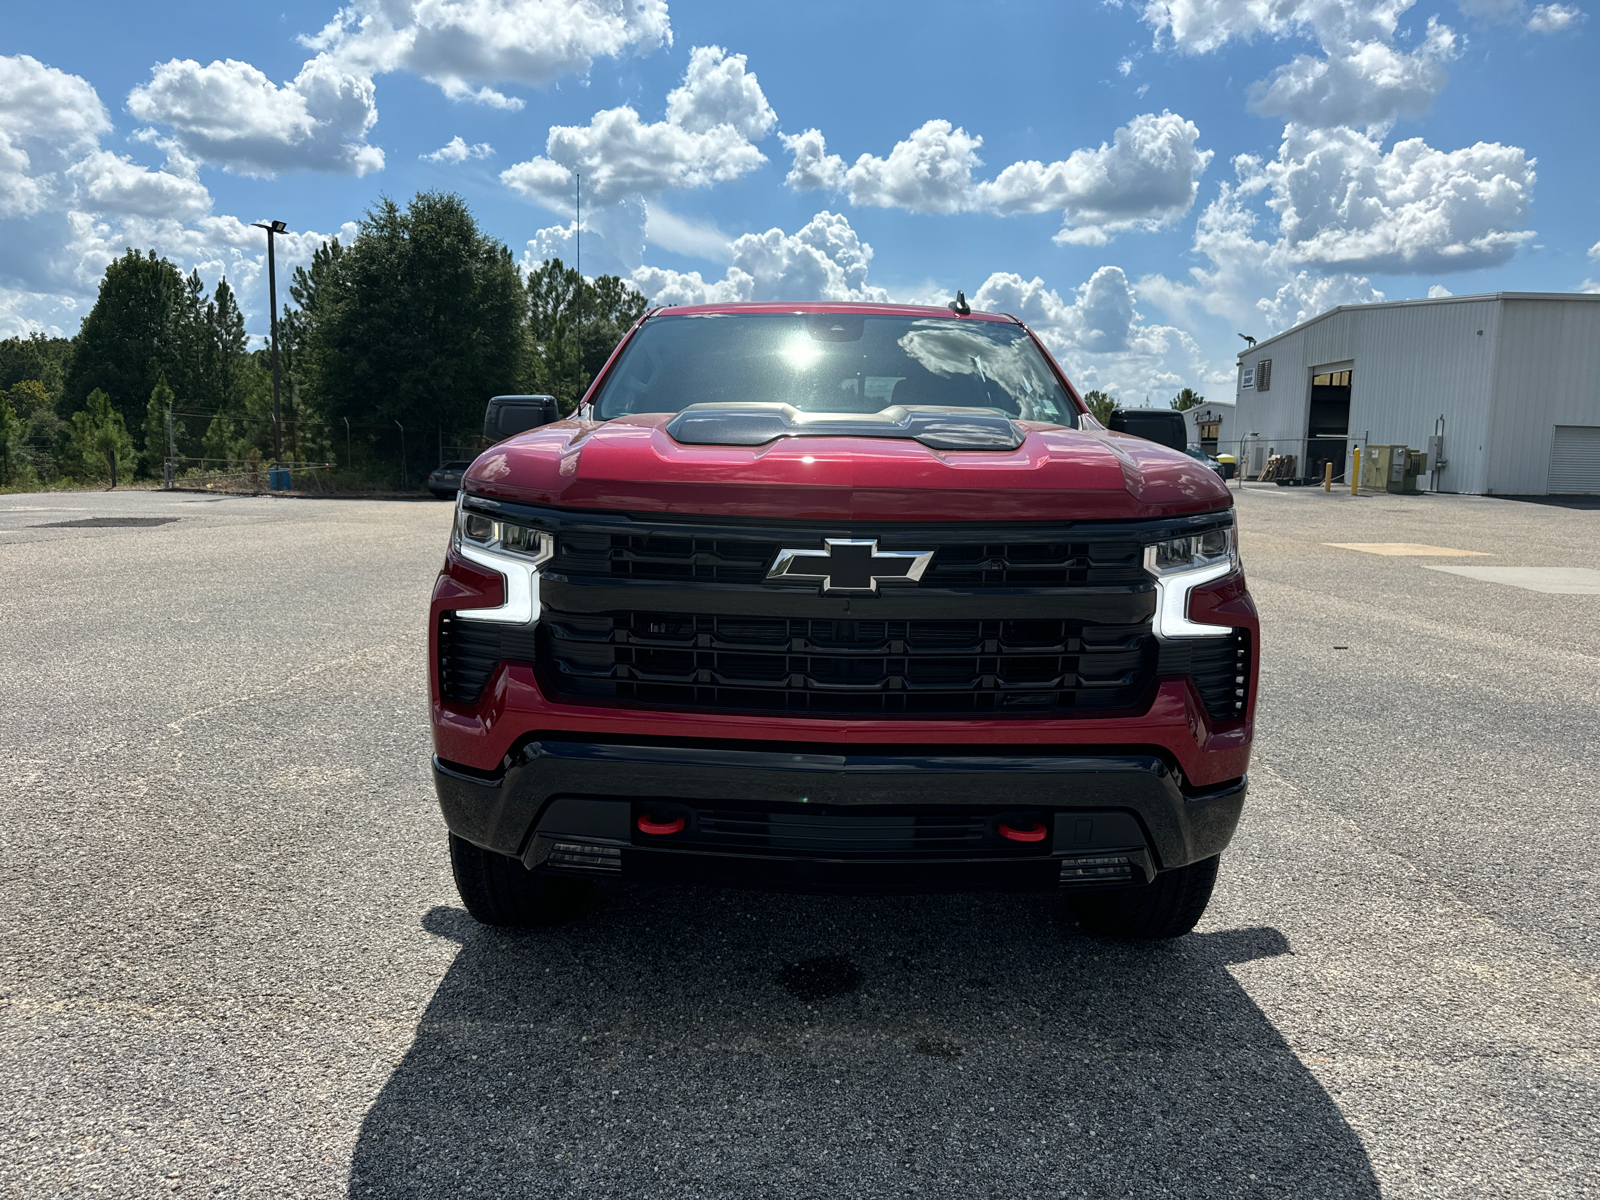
<point>390,344</point>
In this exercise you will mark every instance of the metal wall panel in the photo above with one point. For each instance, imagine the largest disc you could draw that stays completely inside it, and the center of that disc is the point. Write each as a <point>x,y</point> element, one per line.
<point>1409,363</point>
<point>1548,374</point>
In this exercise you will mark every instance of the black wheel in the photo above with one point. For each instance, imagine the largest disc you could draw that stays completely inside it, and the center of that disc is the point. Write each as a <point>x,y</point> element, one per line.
<point>1167,908</point>
<point>499,890</point>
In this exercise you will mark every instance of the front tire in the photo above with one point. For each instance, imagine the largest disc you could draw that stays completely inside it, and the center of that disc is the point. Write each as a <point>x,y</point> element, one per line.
<point>1168,907</point>
<point>499,890</point>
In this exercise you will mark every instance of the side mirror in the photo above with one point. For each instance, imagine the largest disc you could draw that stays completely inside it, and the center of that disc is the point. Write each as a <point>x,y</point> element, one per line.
<point>510,415</point>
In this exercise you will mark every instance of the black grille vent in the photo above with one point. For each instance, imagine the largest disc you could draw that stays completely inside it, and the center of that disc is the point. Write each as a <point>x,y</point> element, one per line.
<point>866,667</point>
<point>470,650</point>
<point>695,559</point>
<point>1220,667</point>
<point>842,835</point>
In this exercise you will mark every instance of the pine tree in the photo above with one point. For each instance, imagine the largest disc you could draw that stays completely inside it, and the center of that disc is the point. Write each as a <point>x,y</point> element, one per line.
<point>1187,399</point>
<point>99,437</point>
<point>419,321</point>
<point>575,324</point>
<point>1101,406</point>
<point>10,435</point>
<point>130,338</point>
<point>156,446</point>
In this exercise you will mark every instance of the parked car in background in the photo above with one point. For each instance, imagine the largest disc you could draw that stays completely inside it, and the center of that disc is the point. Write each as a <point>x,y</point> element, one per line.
<point>444,481</point>
<point>1199,455</point>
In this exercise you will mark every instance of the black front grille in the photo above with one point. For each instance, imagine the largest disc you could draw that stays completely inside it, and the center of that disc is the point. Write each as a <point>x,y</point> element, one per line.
<point>683,557</point>
<point>843,666</point>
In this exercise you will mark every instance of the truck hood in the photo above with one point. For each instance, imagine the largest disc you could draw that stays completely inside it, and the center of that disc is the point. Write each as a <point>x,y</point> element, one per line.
<point>632,464</point>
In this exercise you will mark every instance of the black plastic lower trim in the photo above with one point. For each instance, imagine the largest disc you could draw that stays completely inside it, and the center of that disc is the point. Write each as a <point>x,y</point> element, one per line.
<point>586,793</point>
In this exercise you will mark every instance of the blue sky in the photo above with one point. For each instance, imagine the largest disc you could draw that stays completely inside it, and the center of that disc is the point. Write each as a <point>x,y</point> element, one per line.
<point>1153,176</point>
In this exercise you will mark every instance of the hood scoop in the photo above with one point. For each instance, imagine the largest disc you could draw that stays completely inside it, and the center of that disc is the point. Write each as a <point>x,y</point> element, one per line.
<point>756,424</point>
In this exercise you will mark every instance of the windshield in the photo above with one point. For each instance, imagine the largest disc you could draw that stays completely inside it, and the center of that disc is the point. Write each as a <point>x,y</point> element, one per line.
<point>835,363</point>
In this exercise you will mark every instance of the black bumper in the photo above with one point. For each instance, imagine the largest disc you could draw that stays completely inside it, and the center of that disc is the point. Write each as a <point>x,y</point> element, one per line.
<point>895,821</point>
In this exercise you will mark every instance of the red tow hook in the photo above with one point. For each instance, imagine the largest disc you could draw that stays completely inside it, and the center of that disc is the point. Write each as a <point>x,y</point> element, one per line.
<point>649,825</point>
<point>1033,833</point>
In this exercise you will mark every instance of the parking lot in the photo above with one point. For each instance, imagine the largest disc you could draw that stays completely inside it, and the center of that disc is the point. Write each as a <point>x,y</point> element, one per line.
<point>234,963</point>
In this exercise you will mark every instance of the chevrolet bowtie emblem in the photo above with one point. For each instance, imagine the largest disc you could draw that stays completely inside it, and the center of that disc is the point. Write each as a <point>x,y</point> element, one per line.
<point>851,565</point>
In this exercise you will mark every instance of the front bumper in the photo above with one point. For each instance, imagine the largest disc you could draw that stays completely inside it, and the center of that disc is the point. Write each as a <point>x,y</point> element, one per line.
<point>847,818</point>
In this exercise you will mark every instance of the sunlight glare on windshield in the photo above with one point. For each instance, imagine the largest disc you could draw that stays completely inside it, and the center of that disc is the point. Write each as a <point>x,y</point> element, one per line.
<point>801,351</point>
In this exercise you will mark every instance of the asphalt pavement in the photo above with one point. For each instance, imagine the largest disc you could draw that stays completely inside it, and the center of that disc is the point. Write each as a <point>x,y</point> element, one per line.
<point>232,962</point>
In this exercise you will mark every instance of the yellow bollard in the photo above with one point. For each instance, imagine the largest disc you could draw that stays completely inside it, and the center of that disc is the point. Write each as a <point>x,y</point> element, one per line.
<point>1355,469</point>
<point>1327,478</point>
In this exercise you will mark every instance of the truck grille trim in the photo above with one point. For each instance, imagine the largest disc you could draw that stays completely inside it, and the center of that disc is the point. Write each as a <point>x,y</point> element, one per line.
<point>1220,668</point>
<point>688,558</point>
<point>865,667</point>
<point>470,650</point>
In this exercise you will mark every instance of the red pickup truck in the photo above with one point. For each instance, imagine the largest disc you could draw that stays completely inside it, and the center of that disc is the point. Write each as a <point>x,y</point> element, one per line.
<point>841,597</point>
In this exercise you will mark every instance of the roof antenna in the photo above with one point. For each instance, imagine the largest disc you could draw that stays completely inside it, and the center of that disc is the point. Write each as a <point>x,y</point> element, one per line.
<point>1248,339</point>
<point>959,305</point>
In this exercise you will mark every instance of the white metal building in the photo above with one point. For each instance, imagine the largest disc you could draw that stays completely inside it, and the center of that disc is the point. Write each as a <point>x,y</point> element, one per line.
<point>1211,425</point>
<point>1511,378</point>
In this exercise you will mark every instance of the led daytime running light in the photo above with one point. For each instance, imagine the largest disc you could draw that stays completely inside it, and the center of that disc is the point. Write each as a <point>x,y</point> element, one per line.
<point>1182,564</point>
<point>514,552</point>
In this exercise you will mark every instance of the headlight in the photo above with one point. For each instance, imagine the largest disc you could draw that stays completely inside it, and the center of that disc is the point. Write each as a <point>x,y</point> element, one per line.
<point>1182,564</point>
<point>1190,553</point>
<point>514,552</point>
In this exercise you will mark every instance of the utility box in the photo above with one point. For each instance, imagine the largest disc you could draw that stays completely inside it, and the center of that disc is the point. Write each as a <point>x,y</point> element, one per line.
<point>1393,469</point>
<point>1408,466</point>
<point>1435,451</point>
<point>1376,464</point>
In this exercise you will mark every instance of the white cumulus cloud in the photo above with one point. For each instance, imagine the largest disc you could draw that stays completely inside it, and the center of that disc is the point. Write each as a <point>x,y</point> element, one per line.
<point>47,119</point>
<point>68,207</point>
<point>1343,202</point>
<point>1553,18</point>
<point>1369,83</point>
<point>1201,26</point>
<point>463,46</point>
<point>824,260</point>
<point>456,150</point>
<point>231,114</point>
<point>713,121</point>
<point>813,166</point>
<point>1361,77</point>
<point>1099,336</point>
<point>113,184</point>
<point>1345,207</point>
<point>1147,176</point>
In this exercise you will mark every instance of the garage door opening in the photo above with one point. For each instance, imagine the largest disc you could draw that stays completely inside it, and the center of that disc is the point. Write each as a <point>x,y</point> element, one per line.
<point>1575,460</point>
<point>1328,428</point>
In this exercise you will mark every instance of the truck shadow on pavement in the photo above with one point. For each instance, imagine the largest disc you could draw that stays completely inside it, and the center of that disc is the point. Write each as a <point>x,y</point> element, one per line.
<point>687,1042</point>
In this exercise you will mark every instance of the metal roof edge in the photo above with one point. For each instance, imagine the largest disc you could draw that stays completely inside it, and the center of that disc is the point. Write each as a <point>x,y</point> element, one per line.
<point>1477,298</point>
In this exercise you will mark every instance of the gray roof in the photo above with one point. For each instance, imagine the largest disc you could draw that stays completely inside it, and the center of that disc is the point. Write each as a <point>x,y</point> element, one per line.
<point>1589,297</point>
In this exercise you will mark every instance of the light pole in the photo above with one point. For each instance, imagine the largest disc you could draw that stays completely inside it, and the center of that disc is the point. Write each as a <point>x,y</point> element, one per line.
<point>272,228</point>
